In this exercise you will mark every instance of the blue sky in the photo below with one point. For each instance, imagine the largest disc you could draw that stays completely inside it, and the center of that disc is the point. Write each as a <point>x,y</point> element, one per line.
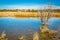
<point>28,4</point>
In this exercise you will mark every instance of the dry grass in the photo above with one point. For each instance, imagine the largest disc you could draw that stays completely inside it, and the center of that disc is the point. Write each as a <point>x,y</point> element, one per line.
<point>27,14</point>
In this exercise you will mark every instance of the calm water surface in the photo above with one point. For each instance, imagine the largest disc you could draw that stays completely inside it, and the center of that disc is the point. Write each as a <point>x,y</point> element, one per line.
<point>23,26</point>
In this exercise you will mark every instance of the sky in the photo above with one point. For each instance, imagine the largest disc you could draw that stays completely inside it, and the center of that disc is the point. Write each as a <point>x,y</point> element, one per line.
<point>29,4</point>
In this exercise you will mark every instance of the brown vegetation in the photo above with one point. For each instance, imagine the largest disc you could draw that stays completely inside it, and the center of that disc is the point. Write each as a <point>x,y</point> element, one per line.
<point>27,13</point>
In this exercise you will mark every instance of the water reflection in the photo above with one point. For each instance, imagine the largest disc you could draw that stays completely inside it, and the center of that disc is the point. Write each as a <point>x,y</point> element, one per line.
<point>16,27</point>
<point>54,23</point>
<point>19,25</point>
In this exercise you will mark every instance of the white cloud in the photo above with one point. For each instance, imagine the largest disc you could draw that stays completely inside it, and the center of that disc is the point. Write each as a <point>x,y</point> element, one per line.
<point>29,7</point>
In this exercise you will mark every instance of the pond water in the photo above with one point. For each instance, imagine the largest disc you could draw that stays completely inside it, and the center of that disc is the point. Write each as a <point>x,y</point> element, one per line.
<point>14,26</point>
<point>24,26</point>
